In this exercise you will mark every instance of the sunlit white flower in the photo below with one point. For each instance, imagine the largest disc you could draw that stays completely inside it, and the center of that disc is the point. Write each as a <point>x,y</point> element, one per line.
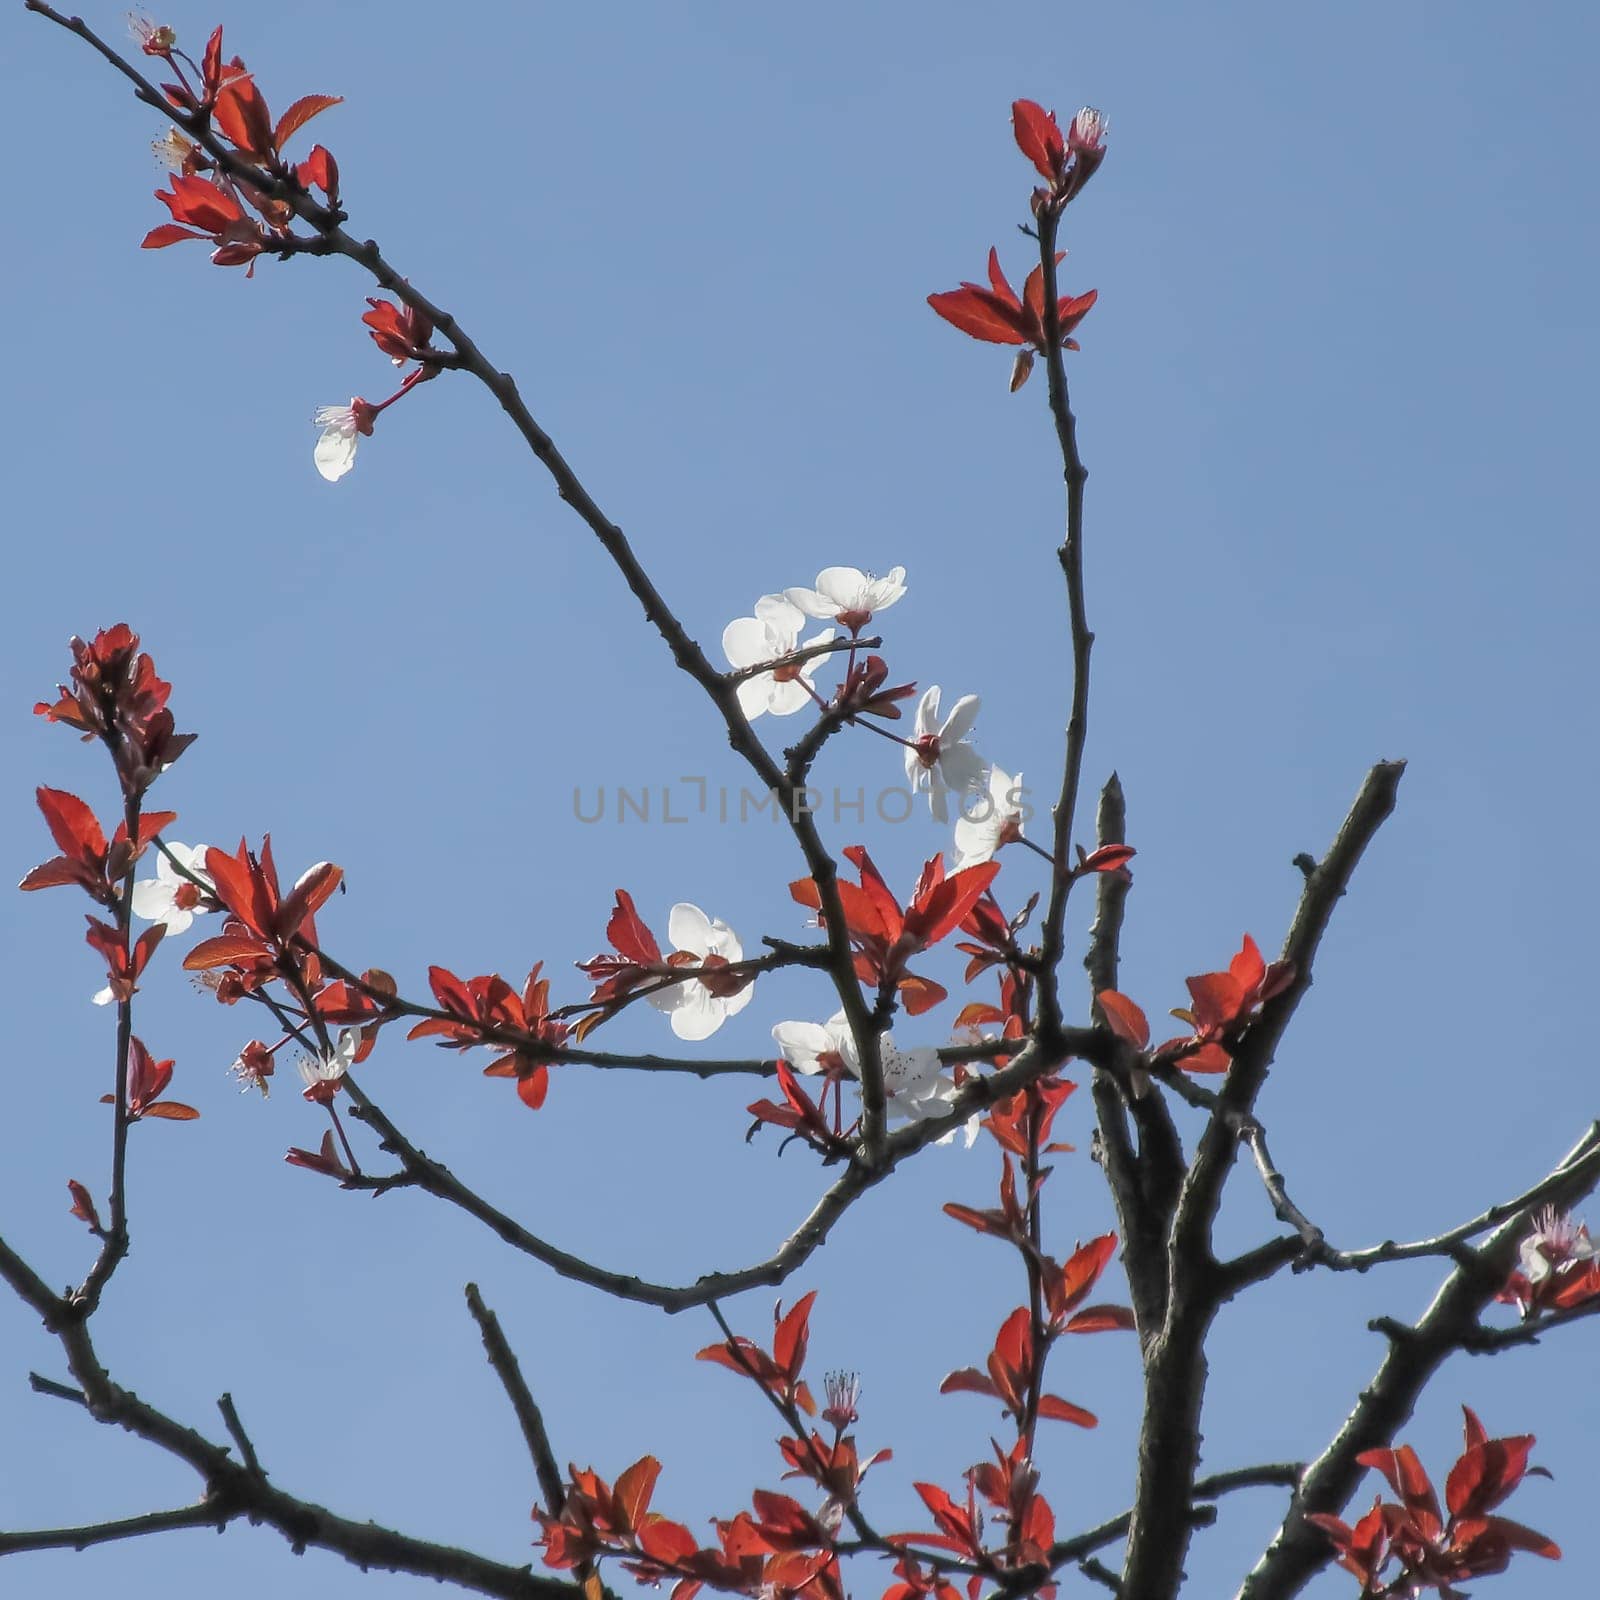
<point>342,428</point>
<point>1556,1240</point>
<point>699,1006</point>
<point>914,1084</point>
<point>323,1074</point>
<point>169,897</point>
<point>991,819</point>
<point>849,596</point>
<point>773,632</point>
<point>827,1047</point>
<point>938,759</point>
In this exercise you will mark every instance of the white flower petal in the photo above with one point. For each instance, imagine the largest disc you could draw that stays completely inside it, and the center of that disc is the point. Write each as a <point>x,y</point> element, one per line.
<point>962,716</point>
<point>690,929</point>
<point>335,453</point>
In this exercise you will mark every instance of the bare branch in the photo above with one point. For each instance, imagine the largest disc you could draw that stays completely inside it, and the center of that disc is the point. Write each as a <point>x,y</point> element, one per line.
<point>504,1361</point>
<point>1450,1323</point>
<point>93,1533</point>
<point>233,1490</point>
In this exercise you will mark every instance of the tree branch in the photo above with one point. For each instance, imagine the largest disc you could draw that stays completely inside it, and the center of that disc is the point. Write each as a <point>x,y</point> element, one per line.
<point>504,1361</point>
<point>233,1490</point>
<point>1299,1550</point>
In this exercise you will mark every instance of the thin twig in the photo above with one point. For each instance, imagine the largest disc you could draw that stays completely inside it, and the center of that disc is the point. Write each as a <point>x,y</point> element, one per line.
<point>247,1450</point>
<point>529,1418</point>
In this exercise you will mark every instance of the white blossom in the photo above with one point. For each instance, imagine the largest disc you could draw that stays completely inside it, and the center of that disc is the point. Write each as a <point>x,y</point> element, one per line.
<point>983,825</point>
<point>696,1007</point>
<point>849,596</point>
<point>773,632</point>
<point>939,760</point>
<point>322,1071</point>
<point>169,897</point>
<point>342,428</point>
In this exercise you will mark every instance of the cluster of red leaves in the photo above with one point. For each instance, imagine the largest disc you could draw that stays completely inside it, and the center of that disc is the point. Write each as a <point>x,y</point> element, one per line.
<point>267,933</point>
<point>778,1372</point>
<point>1432,1551</point>
<point>996,313</point>
<point>1223,1003</point>
<point>100,867</point>
<point>1065,161</point>
<point>402,332</point>
<point>778,1552</point>
<point>867,692</point>
<point>96,865</point>
<point>802,1115</point>
<point>484,1010</point>
<point>885,936</point>
<point>1009,1486</point>
<point>115,696</point>
<point>1016,1362</point>
<point>218,207</point>
<point>147,1082</point>
<point>777,1549</point>
<point>635,960</point>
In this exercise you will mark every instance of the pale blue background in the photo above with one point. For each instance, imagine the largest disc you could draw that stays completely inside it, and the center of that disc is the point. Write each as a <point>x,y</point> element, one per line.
<point>1336,400</point>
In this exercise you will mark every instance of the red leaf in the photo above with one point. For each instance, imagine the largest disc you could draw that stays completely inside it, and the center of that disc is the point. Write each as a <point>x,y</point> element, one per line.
<point>920,994</point>
<point>223,951</point>
<point>168,233</point>
<point>633,1491</point>
<point>1107,858</point>
<point>170,1110</point>
<point>83,1204</point>
<point>970,1381</point>
<point>1124,1018</point>
<point>74,827</point>
<point>531,1089</point>
<point>979,315</point>
<point>52,874</point>
<point>242,116</point>
<point>1059,1410</point>
<point>1038,137</point>
<point>309,895</point>
<point>299,114</point>
<point>1100,1319</point>
<point>630,935</point>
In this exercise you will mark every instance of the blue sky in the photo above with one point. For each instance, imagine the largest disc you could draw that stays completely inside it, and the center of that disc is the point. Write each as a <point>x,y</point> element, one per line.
<point>1334,399</point>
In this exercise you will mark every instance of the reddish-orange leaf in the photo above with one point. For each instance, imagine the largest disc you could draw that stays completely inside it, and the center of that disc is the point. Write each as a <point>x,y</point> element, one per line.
<point>630,935</point>
<point>919,994</point>
<point>167,233</point>
<point>83,1204</point>
<point>1038,136</point>
<point>242,117</point>
<point>976,314</point>
<point>170,1110</point>
<point>1059,1410</point>
<point>309,895</point>
<point>223,951</point>
<point>531,1090</point>
<point>633,1490</point>
<point>74,827</point>
<point>1100,1319</point>
<point>299,114</point>
<point>1124,1018</point>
